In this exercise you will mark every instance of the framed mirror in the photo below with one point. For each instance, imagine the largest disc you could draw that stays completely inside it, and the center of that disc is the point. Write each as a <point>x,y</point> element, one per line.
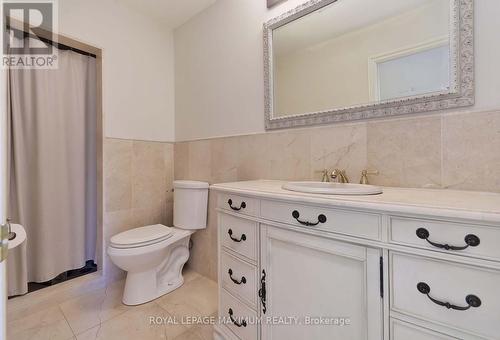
<point>342,60</point>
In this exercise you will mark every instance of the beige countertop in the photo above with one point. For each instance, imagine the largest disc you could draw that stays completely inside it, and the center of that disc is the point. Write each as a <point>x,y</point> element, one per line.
<point>478,206</point>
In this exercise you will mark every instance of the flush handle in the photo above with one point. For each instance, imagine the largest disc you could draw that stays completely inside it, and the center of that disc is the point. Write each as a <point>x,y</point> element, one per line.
<point>470,240</point>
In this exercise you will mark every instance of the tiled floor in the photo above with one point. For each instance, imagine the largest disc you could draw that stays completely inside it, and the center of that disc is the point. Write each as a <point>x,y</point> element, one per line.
<point>88,308</point>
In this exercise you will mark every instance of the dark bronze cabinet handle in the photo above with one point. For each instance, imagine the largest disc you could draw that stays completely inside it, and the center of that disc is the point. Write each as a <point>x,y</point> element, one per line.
<point>242,238</point>
<point>321,219</point>
<point>243,279</point>
<point>243,205</point>
<point>471,300</point>
<point>470,240</point>
<point>243,323</point>
<point>262,292</point>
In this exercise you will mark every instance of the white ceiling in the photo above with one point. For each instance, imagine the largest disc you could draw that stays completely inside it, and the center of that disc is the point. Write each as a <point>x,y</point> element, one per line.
<point>171,12</point>
<point>338,18</point>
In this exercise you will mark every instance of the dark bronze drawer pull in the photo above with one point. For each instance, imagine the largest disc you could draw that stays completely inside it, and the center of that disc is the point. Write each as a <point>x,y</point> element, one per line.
<point>243,279</point>
<point>242,238</point>
<point>470,240</point>
<point>243,205</point>
<point>321,219</point>
<point>243,323</point>
<point>262,291</point>
<point>471,300</point>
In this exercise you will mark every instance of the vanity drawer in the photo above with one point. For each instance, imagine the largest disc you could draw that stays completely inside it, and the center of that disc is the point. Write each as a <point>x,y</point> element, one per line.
<point>232,308</point>
<point>238,204</point>
<point>239,235</point>
<point>401,330</point>
<point>240,278</point>
<point>458,284</point>
<point>470,240</point>
<point>345,222</point>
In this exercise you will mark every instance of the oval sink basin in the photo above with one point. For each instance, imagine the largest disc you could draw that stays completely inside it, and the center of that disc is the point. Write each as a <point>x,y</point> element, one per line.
<point>328,188</point>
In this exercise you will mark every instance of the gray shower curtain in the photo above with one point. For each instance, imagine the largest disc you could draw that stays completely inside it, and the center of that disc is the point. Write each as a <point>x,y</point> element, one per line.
<point>53,170</point>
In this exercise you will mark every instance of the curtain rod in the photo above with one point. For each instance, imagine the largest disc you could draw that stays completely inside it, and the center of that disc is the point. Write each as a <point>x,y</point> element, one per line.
<point>57,45</point>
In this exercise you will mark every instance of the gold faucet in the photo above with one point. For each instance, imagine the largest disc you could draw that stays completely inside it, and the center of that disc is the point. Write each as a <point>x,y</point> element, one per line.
<point>325,176</point>
<point>364,176</point>
<point>339,176</point>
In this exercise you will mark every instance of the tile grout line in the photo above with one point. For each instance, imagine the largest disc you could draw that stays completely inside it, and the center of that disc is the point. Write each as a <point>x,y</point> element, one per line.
<point>66,319</point>
<point>100,321</point>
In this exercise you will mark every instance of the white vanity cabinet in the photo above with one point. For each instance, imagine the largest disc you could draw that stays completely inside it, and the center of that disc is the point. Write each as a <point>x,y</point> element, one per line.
<point>331,289</point>
<point>299,266</point>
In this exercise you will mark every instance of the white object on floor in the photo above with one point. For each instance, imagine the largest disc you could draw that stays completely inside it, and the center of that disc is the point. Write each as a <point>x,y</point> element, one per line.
<point>17,266</point>
<point>153,256</point>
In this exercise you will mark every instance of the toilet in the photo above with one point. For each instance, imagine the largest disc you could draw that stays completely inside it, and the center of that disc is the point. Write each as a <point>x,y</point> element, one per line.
<point>153,256</point>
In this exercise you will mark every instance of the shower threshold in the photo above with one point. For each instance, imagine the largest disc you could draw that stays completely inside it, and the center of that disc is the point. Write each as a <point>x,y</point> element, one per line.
<point>90,267</point>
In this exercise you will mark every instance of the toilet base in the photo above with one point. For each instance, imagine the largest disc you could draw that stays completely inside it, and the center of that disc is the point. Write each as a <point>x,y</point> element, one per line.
<point>142,287</point>
<point>137,292</point>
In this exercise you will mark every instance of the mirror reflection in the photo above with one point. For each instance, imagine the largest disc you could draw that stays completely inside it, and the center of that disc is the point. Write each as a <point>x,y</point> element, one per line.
<point>355,52</point>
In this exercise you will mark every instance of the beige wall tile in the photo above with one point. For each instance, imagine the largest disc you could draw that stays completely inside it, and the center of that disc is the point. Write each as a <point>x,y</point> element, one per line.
<point>471,151</point>
<point>200,160</point>
<point>288,154</point>
<point>224,161</point>
<point>117,174</point>
<point>406,152</point>
<point>181,160</point>
<point>339,147</point>
<point>169,216</point>
<point>149,183</point>
<point>253,161</point>
<point>169,169</point>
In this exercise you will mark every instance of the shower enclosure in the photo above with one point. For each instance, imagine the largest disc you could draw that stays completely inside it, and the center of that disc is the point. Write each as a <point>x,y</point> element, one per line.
<point>54,157</point>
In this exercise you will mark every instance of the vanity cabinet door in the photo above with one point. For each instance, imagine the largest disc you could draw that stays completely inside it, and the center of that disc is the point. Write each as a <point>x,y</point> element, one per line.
<point>316,288</point>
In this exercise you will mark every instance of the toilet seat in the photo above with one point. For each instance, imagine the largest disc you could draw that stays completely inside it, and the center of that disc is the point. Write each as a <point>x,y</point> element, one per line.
<point>141,237</point>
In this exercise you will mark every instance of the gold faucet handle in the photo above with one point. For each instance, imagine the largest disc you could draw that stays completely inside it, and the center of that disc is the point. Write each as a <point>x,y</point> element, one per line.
<point>324,173</point>
<point>364,175</point>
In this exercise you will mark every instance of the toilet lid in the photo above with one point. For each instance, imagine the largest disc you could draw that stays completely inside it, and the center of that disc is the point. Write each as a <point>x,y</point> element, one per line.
<point>142,236</point>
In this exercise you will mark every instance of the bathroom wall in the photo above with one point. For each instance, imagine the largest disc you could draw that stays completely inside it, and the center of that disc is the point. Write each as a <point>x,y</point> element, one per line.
<point>138,179</point>
<point>138,66</point>
<point>219,67</point>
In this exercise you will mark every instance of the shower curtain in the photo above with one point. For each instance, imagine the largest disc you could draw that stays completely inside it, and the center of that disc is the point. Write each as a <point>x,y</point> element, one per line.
<point>53,169</point>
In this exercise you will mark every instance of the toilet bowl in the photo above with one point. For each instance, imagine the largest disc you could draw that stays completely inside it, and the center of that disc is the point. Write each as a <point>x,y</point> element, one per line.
<point>153,256</point>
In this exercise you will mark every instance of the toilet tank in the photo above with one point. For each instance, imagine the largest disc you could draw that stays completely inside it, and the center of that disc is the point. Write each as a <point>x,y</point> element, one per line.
<point>190,204</point>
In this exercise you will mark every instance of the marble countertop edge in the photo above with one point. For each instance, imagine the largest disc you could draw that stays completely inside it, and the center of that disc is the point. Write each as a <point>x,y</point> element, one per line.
<point>469,205</point>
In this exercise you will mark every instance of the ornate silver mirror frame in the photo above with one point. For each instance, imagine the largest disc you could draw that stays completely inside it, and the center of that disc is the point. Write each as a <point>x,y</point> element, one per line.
<point>460,95</point>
